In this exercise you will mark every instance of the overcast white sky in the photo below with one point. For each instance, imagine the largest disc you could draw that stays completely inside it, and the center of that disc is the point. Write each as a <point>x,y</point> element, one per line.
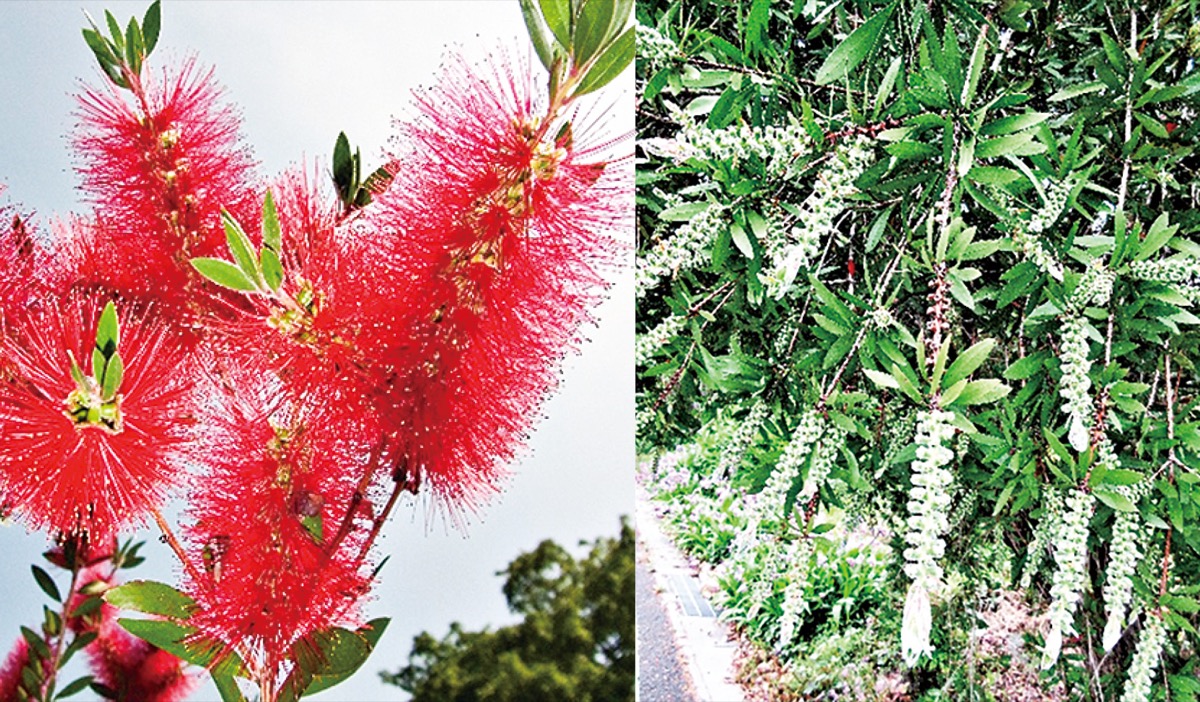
<point>302,72</point>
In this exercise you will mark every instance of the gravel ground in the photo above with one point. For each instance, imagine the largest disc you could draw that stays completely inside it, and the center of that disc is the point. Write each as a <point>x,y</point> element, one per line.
<point>661,677</point>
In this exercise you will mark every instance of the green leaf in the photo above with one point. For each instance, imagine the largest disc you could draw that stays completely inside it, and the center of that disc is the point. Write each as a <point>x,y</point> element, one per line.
<point>114,28</point>
<point>102,49</point>
<point>1076,90</point>
<point>741,240</point>
<point>1021,144</point>
<point>975,68</point>
<point>1023,368</point>
<point>108,333</point>
<point>883,380</point>
<point>315,526</point>
<point>343,167</point>
<point>227,687</point>
<point>75,686</point>
<point>133,46</point>
<point>1116,501</point>
<point>978,392</point>
<point>272,238</point>
<point>272,269</point>
<point>152,598</point>
<point>223,273</point>
<point>557,14</point>
<point>968,361</point>
<point>241,247</point>
<point>345,664</point>
<point>538,32</point>
<point>1013,123</point>
<point>906,385</point>
<point>591,28</point>
<point>151,24</point>
<point>46,583</point>
<point>609,63</point>
<point>114,373</point>
<point>170,637</point>
<point>1157,237</point>
<point>853,49</point>
<point>886,85</point>
<point>952,392</point>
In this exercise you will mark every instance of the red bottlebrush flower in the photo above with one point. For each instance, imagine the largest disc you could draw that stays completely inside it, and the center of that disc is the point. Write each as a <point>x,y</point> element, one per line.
<point>133,668</point>
<point>17,256</point>
<point>77,458</point>
<point>158,173</point>
<point>273,567</point>
<point>10,672</point>
<point>306,331</point>
<point>494,232</point>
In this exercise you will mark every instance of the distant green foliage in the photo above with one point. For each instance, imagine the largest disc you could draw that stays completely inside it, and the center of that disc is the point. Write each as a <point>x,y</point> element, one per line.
<point>574,643</point>
<point>894,216</point>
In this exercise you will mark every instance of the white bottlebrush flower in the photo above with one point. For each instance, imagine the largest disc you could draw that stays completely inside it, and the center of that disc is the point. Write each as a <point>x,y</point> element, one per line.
<point>650,342</point>
<point>654,47</point>
<point>823,461</point>
<point>1170,270</point>
<point>742,439</point>
<point>791,462</point>
<point>1095,287</point>
<point>1043,534</point>
<point>783,151</point>
<point>799,557</point>
<point>881,318</point>
<point>1145,659</point>
<point>1123,556</point>
<point>835,183</point>
<point>928,505</point>
<point>1070,575</point>
<point>1075,383</point>
<point>687,248</point>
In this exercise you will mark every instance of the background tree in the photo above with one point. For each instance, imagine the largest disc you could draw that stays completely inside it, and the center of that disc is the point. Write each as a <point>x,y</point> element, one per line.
<point>574,643</point>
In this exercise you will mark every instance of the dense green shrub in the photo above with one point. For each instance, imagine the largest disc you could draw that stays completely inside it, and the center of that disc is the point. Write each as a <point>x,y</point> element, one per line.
<point>928,270</point>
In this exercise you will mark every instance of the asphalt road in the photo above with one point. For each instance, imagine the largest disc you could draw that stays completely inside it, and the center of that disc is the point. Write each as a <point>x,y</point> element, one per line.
<point>661,677</point>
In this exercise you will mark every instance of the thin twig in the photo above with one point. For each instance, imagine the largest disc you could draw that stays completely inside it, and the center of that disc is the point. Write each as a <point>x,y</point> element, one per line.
<point>178,549</point>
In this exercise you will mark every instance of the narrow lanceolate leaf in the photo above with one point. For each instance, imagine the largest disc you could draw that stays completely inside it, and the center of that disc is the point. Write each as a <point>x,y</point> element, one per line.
<point>223,273</point>
<point>886,85</point>
<point>968,361</point>
<point>75,686</point>
<point>609,64</point>
<point>538,32</point>
<point>346,664</point>
<point>151,24</point>
<point>591,28</point>
<point>978,392</point>
<point>883,380</point>
<point>114,373</point>
<point>272,269</point>
<point>241,247</point>
<point>846,56</point>
<point>152,598</point>
<point>270,224</point>
<point>976,67</point>
<point>343,166</point>
<point>108,335</point>
<point>557,14</point>
<point>46,583</point>
<point>1160,232</point>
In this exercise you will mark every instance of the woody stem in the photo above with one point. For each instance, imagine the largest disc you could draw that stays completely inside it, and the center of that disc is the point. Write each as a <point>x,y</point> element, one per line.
<point>173,542</point>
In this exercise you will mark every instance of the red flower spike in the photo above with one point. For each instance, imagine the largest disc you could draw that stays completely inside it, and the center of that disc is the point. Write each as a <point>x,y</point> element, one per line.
<point>88,461</point>
<point>281,481</point>
<point>496,226</point>
<point>10,672</point>
<point>158,174</point>
<point>135,669</point>
<point>306,331</point>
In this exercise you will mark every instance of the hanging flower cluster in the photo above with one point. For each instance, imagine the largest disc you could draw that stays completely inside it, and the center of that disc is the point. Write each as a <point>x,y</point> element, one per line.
<point>1124,553</point>
<point>1095,287</point>
<point>791,463</point>
<point>685,249</point>
<point>654,47</point>
<point>649,343</point>
<point>835,183</point>
<point>781,150</point>
<point>799,556</point>
<point>1075,384</point>
<point>743,438</point>
<point>928,505</point>
<point>1145,659</point>
<point>297,361</point>
<point>1070,575</point>
<point>1043,534</point>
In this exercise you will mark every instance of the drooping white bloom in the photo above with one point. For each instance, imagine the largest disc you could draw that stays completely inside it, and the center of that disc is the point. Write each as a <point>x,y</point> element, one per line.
<point>687,248</point>
<point>1123,556</point>
<point>654,47</point>
<point>791,462</point>
<point>835,183</point>
<point>1070,576</point>
<point>799,557</point>
<point>650,342</point>
<point>1075,383</point>
<point>1145,659</point>
<point>1095,287</point>
<point>783,151</point>
<point>928,504</point>
<point>823,461</point>
<point>1043,534</point>
<point>743,438</point>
